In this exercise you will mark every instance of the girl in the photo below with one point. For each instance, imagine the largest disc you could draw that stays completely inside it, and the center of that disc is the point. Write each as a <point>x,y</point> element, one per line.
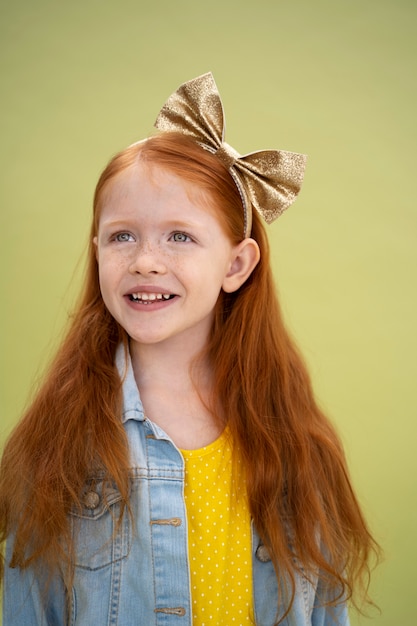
<point>175,468</point>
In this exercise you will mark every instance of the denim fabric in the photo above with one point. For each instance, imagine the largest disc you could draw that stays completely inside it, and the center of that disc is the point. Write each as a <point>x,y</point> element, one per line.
<point>137,573</point>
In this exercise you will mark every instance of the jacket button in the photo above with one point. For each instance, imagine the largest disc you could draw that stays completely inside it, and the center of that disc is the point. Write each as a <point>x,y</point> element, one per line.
<point>262,554</point>
<point>91,500</point>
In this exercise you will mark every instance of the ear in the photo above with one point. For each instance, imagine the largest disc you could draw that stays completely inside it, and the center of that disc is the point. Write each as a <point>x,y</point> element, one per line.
<point>245,257</point>
<point>95,243</point>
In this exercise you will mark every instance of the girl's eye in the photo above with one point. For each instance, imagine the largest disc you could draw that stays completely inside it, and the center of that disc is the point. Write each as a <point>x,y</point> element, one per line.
<point>180,237</point>
<point>122,237</point>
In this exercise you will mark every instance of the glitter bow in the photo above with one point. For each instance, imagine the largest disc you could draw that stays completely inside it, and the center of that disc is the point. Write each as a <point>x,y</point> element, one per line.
<point>267,179</point>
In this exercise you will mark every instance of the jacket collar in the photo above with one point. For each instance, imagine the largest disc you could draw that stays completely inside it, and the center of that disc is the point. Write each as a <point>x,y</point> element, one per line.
<point>132,404</point>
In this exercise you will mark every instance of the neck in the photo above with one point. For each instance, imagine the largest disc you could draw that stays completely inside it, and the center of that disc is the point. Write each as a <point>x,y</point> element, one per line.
<point>175,390</point>
<point>170,365</point>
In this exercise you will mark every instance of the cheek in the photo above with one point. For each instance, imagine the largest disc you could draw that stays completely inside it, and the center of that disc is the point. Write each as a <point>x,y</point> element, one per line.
<point>110,266</point>
<point>104,272</point>
<point>109,281</point>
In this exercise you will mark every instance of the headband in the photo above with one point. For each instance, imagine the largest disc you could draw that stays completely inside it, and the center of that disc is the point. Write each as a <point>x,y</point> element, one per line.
<point>267,179</point>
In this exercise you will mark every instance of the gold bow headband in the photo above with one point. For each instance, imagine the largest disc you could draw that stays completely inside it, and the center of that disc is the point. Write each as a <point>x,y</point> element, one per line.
<point>268,179</point>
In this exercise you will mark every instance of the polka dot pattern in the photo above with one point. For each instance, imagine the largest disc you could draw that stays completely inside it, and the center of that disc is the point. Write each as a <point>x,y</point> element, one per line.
<point>219,537</point>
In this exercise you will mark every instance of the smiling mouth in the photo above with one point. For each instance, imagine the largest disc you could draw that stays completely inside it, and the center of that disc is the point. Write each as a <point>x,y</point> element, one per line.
<point>150,298</point>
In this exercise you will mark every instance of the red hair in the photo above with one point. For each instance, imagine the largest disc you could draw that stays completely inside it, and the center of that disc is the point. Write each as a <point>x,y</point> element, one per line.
<point>297,481</point>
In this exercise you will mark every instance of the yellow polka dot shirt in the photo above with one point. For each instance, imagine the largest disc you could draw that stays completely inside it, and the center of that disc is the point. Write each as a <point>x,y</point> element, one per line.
<point>219,537</point>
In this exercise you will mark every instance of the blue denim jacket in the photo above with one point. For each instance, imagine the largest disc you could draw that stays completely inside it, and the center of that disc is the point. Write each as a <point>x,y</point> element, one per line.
<point>138,574</point>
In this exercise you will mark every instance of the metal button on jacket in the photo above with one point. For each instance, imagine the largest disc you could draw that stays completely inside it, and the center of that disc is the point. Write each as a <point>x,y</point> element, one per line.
<point>262,554</point>
<point>91,500</point>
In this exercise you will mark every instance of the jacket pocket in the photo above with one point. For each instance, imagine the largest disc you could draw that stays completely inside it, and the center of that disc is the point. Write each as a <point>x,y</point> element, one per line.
<point>100,534</point>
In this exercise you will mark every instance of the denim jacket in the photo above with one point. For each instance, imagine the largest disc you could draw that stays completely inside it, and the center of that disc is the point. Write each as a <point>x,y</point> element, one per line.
<point>137,573</point>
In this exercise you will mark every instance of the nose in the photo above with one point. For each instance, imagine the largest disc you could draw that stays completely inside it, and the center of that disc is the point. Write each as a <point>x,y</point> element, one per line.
<point>147,259</point>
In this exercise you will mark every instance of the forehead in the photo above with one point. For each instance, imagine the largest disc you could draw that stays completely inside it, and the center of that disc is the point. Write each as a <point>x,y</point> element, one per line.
<point>145,182</point>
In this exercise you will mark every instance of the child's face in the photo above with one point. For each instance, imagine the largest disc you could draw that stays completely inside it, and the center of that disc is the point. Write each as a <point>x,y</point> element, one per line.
<point>163,258</point>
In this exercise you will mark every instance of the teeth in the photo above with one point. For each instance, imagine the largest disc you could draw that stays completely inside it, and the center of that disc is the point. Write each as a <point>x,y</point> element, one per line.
<point>146,297</point>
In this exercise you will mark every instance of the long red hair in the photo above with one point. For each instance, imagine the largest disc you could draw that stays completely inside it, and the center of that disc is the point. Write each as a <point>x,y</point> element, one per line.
<point>297,481</point>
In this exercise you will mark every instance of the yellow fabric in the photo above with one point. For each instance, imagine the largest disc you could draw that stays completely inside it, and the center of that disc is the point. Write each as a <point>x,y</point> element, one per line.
<point>219,537</point>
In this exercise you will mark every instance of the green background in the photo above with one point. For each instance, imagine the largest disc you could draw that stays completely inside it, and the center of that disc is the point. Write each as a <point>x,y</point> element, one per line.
<point>336,80</point>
